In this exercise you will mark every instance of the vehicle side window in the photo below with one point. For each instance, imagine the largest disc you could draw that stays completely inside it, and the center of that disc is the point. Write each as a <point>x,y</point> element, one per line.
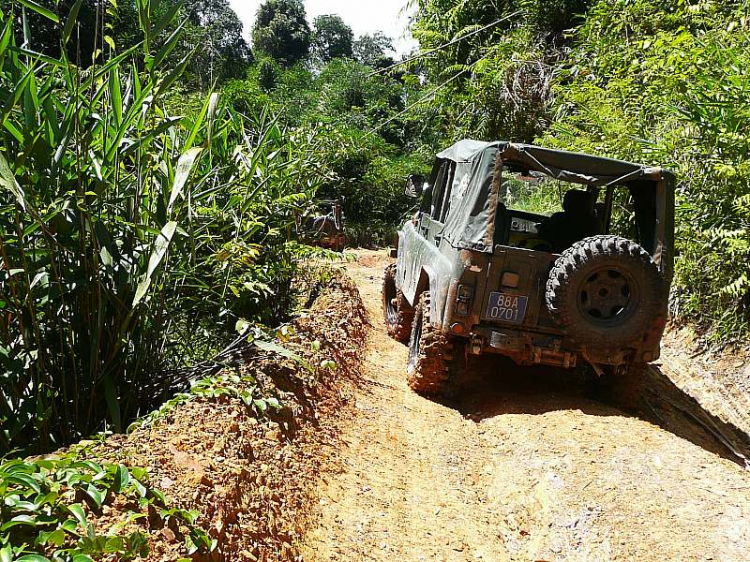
<point>425,204</point>
<point>439,190</point>
<point>445,204</point>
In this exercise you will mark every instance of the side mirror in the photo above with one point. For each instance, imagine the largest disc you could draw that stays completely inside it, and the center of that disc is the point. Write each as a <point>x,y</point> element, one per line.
<point>414,186</point>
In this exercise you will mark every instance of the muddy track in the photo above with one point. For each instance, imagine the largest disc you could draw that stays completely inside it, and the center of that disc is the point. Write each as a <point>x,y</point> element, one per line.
<point>527,465</point>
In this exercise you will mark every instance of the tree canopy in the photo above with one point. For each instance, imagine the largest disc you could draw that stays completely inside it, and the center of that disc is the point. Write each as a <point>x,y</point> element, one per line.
<point>212,31</point>
<point>214,28</point>
<point>332,38</point>
<point>281,31</point>
<point>372,49</point>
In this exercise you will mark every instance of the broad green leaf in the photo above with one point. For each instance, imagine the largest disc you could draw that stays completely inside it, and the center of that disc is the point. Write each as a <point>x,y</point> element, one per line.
<point>76,510</point>
<point>122,478</point>
<point>175,74</point>
<point>114,545</point>
<point>47,499</point>
<point>168,46</point>
<point>184,167</point>
<point>8,181</point>
<point>160,249</point>
<point>70,23</point>
<point>115,89</point>
<point>19,520</point>
<point>166,19</point>
<point>41,10</point>
<point>199,122</point>
<point>5,37</point>
<point>18,90</point>
<point>96,495</point>
<point>56,537</point>
<point>139,488</point>
<point>37,56</point>
<point>24,480</point>
<point>112,64</point>
<point>6,554</point>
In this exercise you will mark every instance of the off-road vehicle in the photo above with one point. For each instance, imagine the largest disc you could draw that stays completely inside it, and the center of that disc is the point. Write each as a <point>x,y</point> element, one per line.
<point>484,267</point>
<point>325,226</point>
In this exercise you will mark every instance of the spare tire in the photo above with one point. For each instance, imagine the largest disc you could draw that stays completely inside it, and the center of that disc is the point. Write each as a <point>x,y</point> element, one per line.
<point>606,292</point>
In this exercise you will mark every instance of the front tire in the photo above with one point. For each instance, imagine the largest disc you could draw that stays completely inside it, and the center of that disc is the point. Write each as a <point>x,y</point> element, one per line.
<point>396,310</point>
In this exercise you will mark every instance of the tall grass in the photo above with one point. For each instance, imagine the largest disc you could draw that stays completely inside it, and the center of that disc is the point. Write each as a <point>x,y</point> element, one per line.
<point>129,236</point>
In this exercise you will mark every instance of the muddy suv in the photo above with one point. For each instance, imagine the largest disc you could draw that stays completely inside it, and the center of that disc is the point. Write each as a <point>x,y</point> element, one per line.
<point>486,266</point>
<point>325,227</point>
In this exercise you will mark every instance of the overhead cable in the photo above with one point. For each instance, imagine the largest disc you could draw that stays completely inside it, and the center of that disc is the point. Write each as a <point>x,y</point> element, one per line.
<point>426,97</point>
<point>445,46</point>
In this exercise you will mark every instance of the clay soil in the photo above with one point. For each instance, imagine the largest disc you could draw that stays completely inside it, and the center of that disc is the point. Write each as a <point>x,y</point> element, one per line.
<point>528,465</point>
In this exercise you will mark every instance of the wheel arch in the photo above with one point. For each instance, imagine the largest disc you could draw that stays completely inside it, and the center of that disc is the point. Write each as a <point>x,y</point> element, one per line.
<point>427,282</point>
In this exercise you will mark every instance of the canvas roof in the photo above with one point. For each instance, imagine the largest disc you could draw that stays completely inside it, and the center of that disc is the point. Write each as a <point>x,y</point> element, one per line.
<point>573,167</point>
<point>475,196</point>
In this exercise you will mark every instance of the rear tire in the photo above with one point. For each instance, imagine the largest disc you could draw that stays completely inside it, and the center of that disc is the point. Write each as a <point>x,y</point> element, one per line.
<point>396,310</point>
<point>340,243</point>
<point>435,360</point>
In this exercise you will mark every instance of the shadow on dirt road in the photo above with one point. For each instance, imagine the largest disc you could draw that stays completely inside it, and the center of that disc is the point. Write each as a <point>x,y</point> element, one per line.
<point>496,386</point>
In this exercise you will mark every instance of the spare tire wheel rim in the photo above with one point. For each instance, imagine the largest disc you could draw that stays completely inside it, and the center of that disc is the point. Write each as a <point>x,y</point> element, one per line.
<point>608,297</point>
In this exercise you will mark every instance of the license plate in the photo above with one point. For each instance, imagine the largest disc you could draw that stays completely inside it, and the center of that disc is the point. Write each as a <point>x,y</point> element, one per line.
<point>507,308</point>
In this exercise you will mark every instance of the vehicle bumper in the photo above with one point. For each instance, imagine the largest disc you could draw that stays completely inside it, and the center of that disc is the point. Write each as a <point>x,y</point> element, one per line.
<point>526,348</point>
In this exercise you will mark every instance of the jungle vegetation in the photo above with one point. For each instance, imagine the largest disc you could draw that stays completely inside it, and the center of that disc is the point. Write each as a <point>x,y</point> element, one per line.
<point>153,169</point>
<point>153,164</point>
<point>656,81</point>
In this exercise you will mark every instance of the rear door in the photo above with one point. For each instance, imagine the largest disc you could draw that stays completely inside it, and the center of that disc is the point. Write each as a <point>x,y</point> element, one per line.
<point>513,292</point>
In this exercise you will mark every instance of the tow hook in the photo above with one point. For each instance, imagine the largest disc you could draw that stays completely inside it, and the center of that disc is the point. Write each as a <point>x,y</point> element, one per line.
<point>476,344</point>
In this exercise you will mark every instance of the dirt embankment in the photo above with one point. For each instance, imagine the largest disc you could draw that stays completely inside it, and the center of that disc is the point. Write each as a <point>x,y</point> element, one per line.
<point>525,466</point>
<point>250,478</point>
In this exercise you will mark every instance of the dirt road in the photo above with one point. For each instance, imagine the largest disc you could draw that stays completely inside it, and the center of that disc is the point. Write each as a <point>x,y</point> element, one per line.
<point>525,467</point>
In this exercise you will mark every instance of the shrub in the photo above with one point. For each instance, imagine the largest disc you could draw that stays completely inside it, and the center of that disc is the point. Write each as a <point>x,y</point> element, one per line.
<point>131,238</point>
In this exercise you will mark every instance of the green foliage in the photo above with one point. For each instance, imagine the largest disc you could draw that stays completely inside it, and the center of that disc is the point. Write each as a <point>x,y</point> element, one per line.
<point>364,135</point>
<point>210,29</point>
<point>667,83</point>
<point>373,49</point>
<point>131,238</point>
<point>494,84</point>
<point>331,38</point>
<point>45,26</point>
<point>46,505</point>
<point>230,385</point>
<point>214,31</point>
<point>371,177</point>
<point>281,31</point>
